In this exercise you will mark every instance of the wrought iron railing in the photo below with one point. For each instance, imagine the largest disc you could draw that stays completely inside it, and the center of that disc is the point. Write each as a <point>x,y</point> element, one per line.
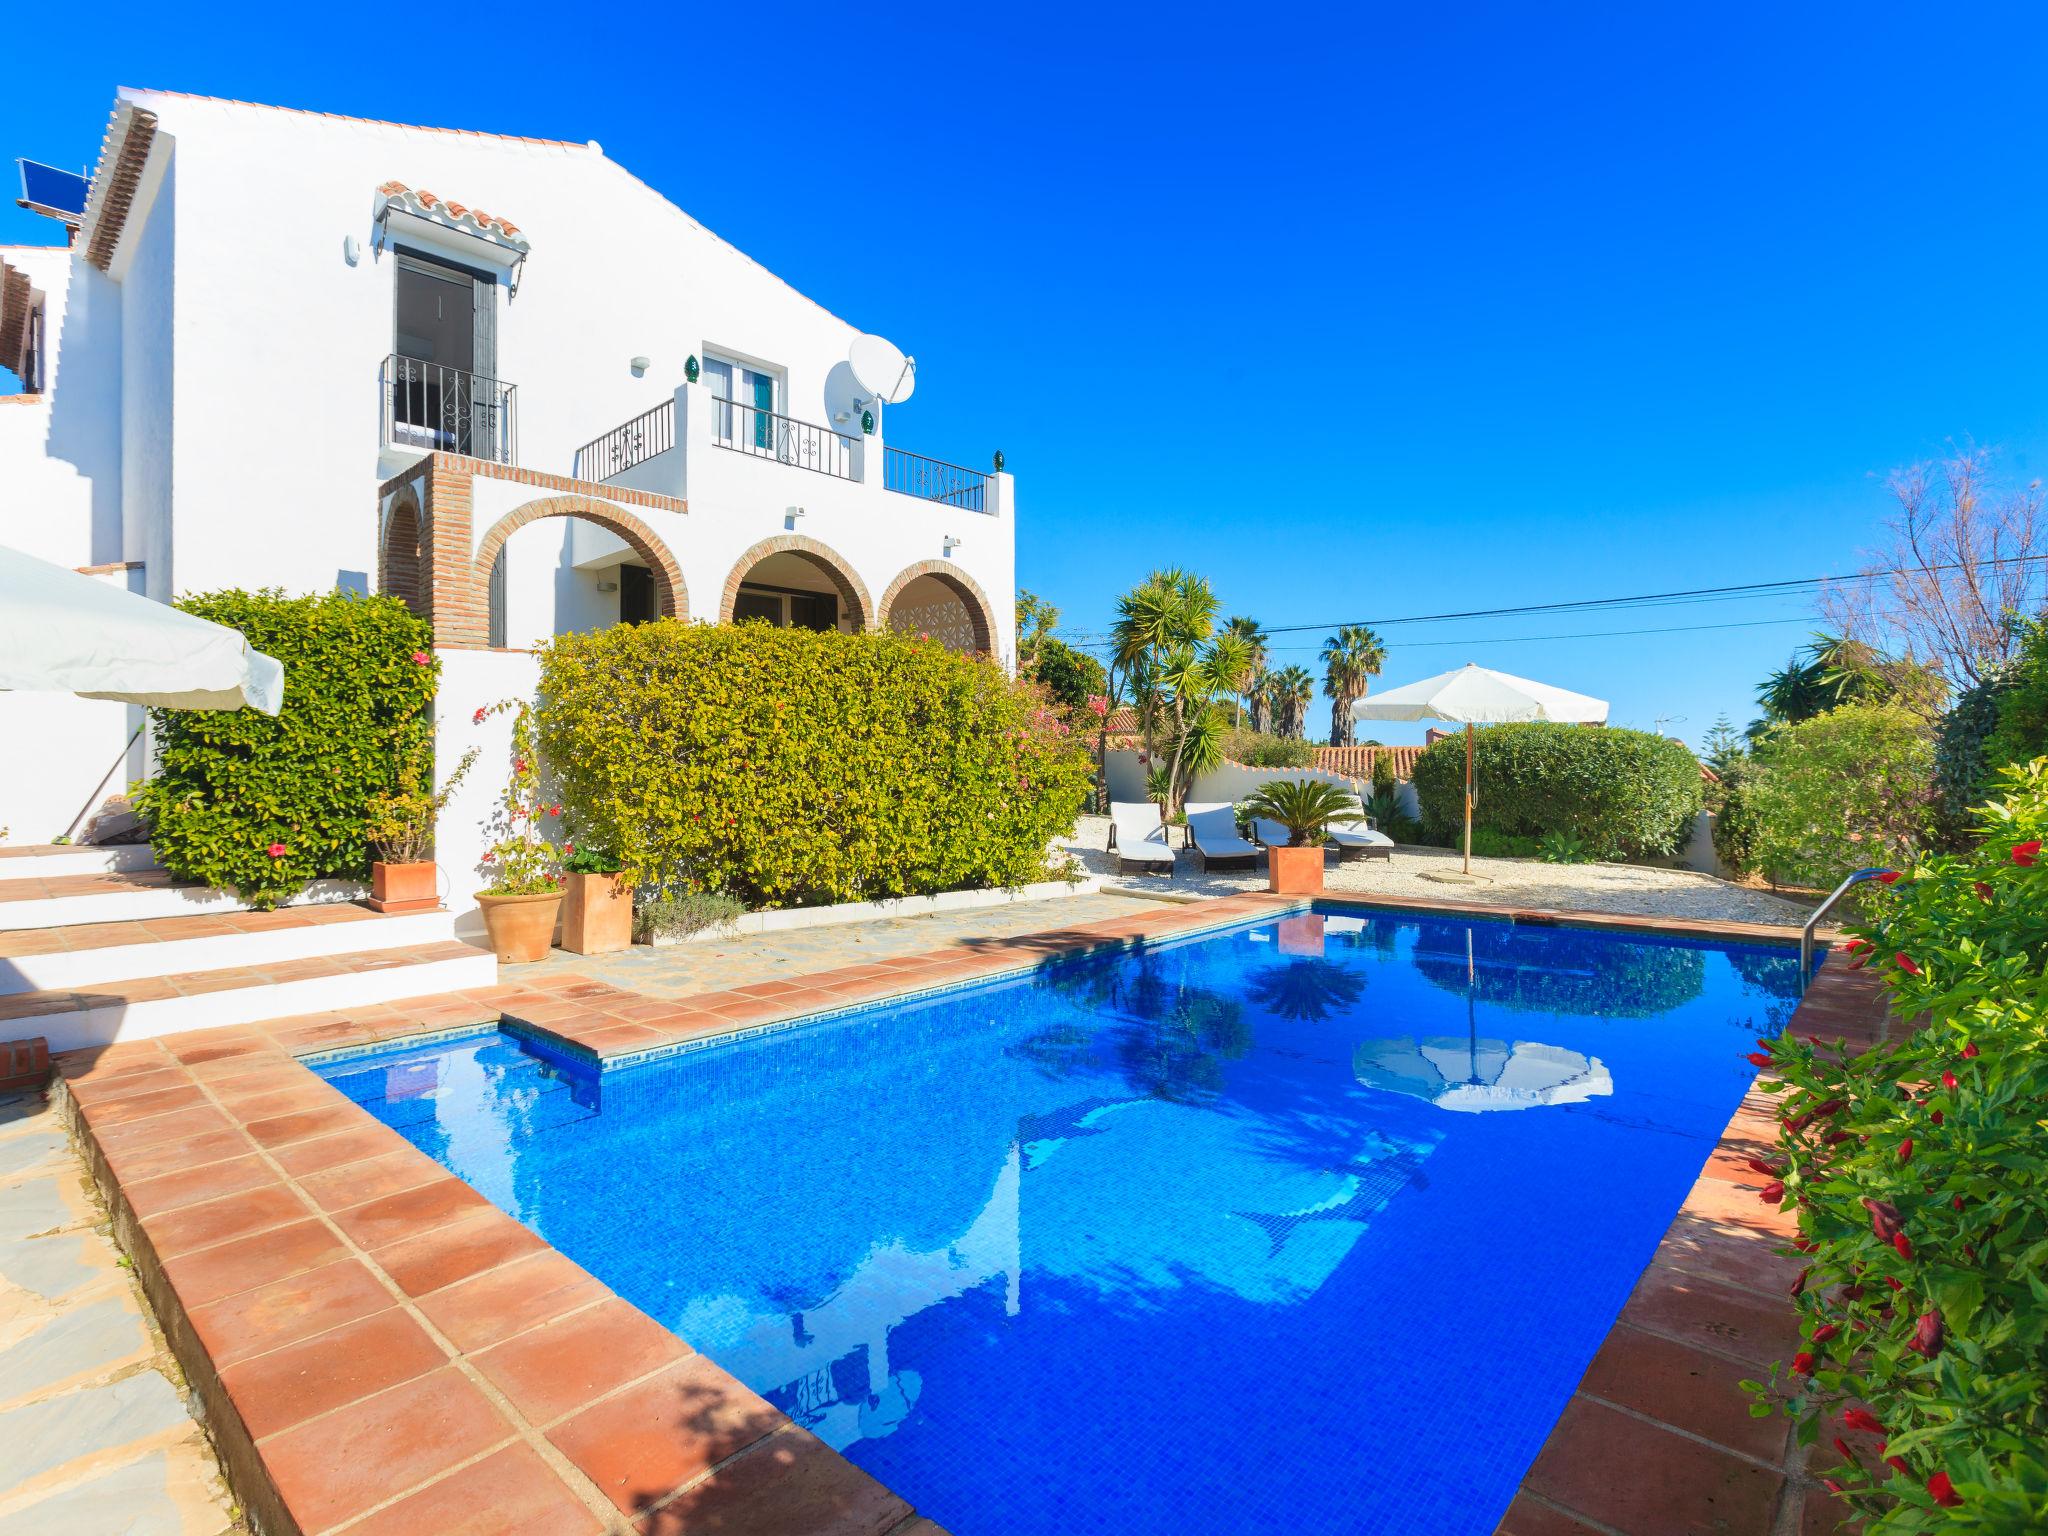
<point>913,474</point>
<point>429,406</point>
<point>750,429</point>
<point>639,440</point>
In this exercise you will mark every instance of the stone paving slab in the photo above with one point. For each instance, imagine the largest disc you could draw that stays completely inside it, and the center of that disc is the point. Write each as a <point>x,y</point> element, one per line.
<point>95,1433</point>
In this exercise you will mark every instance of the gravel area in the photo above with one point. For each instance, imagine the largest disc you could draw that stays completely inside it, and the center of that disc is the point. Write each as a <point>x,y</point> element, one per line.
<point>1638,889</point>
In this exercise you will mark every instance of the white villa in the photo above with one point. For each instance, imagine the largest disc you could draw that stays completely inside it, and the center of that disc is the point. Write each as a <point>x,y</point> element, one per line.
<point>501,378</point>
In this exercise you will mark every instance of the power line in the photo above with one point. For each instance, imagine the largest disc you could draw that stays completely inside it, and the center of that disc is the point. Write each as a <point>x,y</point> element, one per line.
<point>1479,640</point>
<point>1787,587</point>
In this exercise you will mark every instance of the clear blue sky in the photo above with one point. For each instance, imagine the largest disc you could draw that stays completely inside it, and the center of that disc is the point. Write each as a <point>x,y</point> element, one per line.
<point>1363,313</point>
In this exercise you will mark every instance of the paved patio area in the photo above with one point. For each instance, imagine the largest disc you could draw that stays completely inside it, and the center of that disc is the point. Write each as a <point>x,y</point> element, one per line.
<point>719,965</point>
<point>94,1432</point>
<point>1635,889</point>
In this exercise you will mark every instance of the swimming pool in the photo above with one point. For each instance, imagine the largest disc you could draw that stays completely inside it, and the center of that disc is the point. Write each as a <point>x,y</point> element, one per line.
<point>1304,1226</point>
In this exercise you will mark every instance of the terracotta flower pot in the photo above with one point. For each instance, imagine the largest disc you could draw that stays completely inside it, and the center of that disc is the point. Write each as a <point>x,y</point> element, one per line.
<point>597,914</point>
<point>403,887</point>
<point>522,928</point>
<point>1294,871</point>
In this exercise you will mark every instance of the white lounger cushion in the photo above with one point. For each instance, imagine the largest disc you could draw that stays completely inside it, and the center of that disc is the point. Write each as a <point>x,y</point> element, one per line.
<point>1140,834</point>
<point>1214,829</point>
<point>1356,834</point>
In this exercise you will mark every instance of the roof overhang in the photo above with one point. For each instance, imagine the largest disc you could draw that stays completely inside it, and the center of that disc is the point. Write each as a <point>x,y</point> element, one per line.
<point>461,231</point>
<point>123,154</point>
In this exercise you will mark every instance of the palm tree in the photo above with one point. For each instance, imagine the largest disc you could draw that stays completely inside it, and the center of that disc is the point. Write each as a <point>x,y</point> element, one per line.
<point>1352,658</point>
<point>1246,685</point>
<point>1164,642</point>
<point>1291,691</point>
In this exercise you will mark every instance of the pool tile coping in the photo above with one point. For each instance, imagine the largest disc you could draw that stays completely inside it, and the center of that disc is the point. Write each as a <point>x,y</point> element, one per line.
<point>257,1263</point>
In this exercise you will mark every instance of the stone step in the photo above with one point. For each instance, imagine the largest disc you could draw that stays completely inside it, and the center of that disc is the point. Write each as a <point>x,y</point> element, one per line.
<point>37,861</point>
<point>86,955</point>
<point>126,896</point>
<point>164,1004</point>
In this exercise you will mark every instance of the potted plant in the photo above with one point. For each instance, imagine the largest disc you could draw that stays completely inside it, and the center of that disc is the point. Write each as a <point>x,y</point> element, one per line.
<point>521,905</point>
<point>597,906</point>
<point>400,829</point>
<point>1305,807</point>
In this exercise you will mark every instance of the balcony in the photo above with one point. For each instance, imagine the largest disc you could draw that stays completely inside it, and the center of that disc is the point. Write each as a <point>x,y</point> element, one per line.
<point>649,453</point>
<point>434,409</point>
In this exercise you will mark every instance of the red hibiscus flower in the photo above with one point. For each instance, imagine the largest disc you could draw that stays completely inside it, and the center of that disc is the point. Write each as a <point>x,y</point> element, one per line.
<point>1803,1363</point>
<point>1942,1491</point>
<point>1906,1150</point>
<point>1889,877</point>
<point>1757,1059</point>
<point>478,717</point>
<point>1825,1332</point>
<point>1772,1193</point>
<point>1970,1052</point>
<point>1927,1334</point>
<point>1897,1464</point>
<point>1983,890</point>
<point>275,850</point>
<point>1948,1080</point>
<point>2026,853</point>
<point>1906,963</point>
<point>1904,1244</point>
<point>421,658</point>
<point>1884,1217</point>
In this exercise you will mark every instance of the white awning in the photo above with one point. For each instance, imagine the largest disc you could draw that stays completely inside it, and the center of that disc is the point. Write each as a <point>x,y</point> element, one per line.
<point>62,632</point>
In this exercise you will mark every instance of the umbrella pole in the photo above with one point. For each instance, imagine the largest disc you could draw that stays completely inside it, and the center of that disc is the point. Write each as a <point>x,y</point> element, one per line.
<point>1468,797</point>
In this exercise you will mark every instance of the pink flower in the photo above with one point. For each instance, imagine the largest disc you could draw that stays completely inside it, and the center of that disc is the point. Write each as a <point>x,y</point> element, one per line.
<point>275,850</point>
<point>1098,706</point>
<point>421,659</point>
<point>478,717</point>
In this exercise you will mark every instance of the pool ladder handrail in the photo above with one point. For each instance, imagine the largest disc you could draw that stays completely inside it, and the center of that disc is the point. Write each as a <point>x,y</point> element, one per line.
<point>1821,911</point>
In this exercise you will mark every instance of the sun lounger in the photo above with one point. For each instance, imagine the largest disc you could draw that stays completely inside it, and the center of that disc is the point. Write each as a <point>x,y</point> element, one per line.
<point>1360,838</point>
<point>1137,836</point>
<point>1212,832</point>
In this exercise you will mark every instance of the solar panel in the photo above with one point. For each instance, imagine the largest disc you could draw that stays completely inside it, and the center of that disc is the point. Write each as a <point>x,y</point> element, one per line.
<point>47,190</point>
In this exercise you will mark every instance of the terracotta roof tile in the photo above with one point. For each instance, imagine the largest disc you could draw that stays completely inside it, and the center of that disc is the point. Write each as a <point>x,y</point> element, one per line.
<point>433,206</point>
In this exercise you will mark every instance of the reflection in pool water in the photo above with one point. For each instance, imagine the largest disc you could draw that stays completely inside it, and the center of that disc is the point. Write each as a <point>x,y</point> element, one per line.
<point>1145,1244</point>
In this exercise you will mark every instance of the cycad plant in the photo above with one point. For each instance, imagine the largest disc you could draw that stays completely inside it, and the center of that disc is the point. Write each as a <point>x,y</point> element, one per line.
<point>1305,807</point>
<point>1352,658</point>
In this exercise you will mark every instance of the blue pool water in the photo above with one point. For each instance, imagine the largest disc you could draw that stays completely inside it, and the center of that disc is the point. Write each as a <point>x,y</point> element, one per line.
<point>1304,1227</point>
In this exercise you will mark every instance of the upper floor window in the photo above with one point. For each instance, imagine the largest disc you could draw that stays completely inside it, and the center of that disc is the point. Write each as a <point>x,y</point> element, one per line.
<point>752,396</point>
<point>443,387</point>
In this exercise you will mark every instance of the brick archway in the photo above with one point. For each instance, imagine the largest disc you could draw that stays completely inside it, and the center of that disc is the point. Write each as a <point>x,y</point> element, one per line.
<point>402,554</point>
<point>981,615</point>
<point>672,598</point>
<point>852,590</point>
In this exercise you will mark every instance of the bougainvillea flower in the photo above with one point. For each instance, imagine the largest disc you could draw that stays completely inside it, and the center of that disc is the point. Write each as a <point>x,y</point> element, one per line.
<point>1889,877</point>
<point>1906,963</point>
<point>275,850</point>
<point>1970,1051</point>
<point>1928,1333</point>
<point>1904,1244</point>
<point>1803,1362</point>
<point>1823,1333</point>
<point>2026,853</point>
<point>1942,1491</point>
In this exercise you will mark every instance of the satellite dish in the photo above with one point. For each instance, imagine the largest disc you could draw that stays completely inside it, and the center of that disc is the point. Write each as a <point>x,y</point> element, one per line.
<point>881,369</point>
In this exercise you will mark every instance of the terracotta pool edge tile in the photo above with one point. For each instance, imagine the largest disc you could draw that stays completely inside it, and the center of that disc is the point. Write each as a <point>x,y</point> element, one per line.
<point>1833,992</point>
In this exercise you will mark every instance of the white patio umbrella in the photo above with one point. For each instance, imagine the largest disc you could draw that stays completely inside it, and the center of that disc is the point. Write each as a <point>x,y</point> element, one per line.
<point>1476,695</point>
<point>61,632</point>
<point>1475,1076</point>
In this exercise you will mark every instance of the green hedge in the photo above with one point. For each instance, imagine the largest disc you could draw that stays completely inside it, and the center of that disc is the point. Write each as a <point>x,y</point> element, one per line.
<point>231,785</point>
<point>790,768</point>
<point>1623,794</point>
<point>1850,788</point>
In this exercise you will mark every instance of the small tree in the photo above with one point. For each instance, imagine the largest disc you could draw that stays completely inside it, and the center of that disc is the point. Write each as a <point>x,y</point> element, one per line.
<point>1166,645</point>
<point>1848,789</point>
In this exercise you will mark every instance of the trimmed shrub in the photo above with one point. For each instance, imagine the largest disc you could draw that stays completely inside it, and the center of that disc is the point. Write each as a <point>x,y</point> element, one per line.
<point>1256,749</point>
<point>1619,793</point>
<point>1919,1170</point>
<point>1842,791</point>
<point>1962,765</point>
<point>1734,821</point>
<point>790,768</point>
<point>260,805</point>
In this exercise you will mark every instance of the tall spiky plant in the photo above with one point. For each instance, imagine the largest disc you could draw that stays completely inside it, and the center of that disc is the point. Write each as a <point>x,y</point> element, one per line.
<point>1164,641</point>
<point>1247,685</point>
<point>1352,658</point>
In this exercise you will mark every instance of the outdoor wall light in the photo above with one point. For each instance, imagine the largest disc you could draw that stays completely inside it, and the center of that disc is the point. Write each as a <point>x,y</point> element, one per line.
<point>999,461</point>
<point>951,543</point>
<point>641,365</point>
<point>867,423</point>
<point>690,369</point>
<point>607,586</point>
<point>351,251</point>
